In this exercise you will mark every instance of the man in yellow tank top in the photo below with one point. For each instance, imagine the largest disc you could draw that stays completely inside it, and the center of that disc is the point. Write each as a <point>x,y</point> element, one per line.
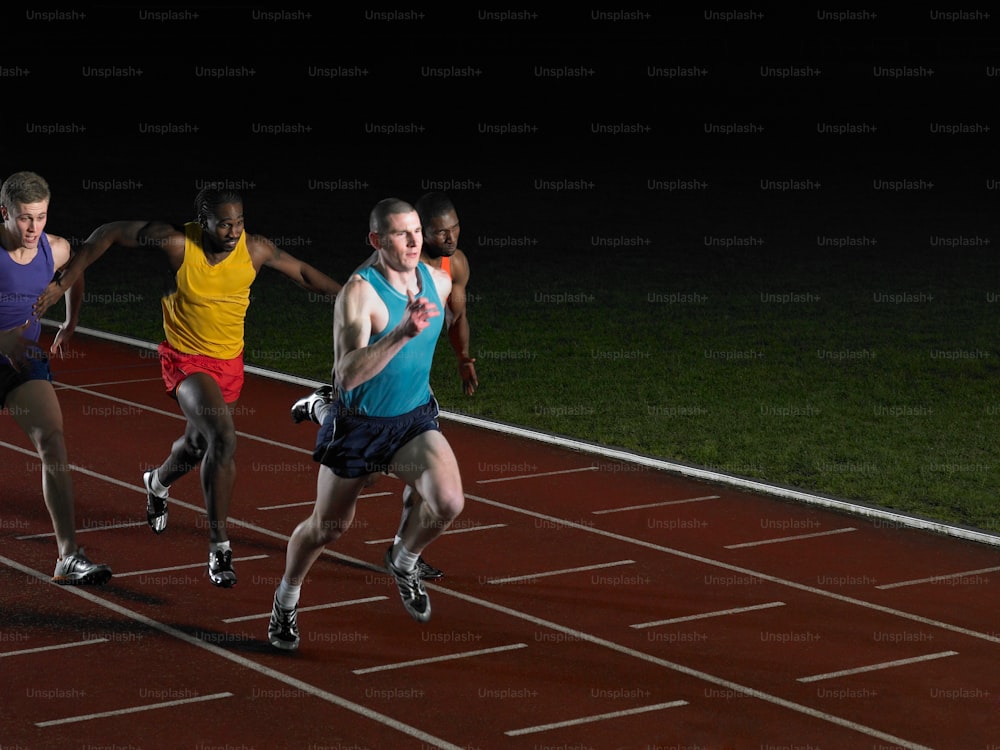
<point>215,262</point>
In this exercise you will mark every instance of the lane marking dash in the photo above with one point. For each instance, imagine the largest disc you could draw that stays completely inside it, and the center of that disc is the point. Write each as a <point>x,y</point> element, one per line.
<point>704,615</point>
<point>780,540</point>
<point>876,667</point>
<point>435,659</point>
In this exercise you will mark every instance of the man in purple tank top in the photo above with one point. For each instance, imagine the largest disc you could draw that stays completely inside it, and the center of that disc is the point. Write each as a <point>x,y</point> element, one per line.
<point>28,262</point>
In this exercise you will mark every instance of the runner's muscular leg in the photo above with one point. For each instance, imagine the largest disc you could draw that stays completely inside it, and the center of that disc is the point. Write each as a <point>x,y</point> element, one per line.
<point>35,408</point>
<point>333,512</point>
<point>428,464</point>
<point>185,454</point>
<point>211,433</point>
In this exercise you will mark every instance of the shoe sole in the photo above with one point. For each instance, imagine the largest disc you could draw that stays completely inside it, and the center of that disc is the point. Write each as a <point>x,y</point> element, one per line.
<point>283,645</point>
<point>307,405</point>
<point>222,583</point>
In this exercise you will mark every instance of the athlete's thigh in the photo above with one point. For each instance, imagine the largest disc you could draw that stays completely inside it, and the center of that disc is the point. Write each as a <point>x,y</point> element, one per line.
<point>428,463</point>
<point>336,497</point>
<point>35,407</point>
<point>201,401</point>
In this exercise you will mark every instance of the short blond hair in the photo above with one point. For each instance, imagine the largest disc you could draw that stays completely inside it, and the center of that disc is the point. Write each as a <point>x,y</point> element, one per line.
<point>24,187</point>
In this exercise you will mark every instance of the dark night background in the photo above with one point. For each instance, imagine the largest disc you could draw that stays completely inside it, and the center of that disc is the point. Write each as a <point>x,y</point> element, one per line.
<point>562,127</point>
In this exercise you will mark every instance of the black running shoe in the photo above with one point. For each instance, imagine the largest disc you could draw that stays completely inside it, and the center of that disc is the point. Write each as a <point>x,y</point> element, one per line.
<point>304,410</point>
<point>77,570</point>
<point>220,568</point>
<point>411,590</point>
<point>283,630</point>
<point>428,571</point>
<point>156,506</point>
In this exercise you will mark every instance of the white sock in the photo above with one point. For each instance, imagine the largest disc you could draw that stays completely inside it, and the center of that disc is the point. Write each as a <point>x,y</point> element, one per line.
<point>287,595</point>
<point>160,490</point>
<point>403,558</point>
<point>213,546</point>
<point>320,408</point>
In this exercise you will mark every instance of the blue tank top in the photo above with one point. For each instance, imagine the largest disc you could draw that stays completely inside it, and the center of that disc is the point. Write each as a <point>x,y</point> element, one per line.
<point>20,286</point>
<point>404,383</point>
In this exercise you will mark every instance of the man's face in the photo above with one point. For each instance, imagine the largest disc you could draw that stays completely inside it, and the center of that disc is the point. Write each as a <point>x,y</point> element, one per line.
<point>225,226</point>
<point>441,237</point>
<point>26,222</point>
<point>400,244</point>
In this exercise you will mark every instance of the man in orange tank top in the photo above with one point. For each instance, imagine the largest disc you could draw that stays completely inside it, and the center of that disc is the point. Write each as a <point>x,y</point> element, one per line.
<point>441,230</point>
<point>215,262</point>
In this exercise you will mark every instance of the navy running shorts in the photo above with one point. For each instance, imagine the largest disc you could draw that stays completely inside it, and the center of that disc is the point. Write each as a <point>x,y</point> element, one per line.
<point>11,378</point>
<point>353,445</point>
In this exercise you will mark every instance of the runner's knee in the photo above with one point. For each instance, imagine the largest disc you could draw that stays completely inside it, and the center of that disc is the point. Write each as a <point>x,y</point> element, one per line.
<point>446,505</point>
<point>50,443</point>
<point>220,445</point>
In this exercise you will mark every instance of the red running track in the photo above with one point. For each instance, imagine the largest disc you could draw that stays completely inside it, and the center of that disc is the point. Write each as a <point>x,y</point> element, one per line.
<point>589,602</point>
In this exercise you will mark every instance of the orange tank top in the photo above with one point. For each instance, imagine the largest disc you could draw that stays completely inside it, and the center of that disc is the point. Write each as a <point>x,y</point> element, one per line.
<point>206,314</point>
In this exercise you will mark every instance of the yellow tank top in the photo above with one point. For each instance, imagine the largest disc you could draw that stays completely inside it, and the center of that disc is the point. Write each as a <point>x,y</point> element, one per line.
<point>206,314</point>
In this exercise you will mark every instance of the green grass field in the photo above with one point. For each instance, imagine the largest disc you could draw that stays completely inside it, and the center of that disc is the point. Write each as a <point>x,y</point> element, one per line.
<point>866,376</point>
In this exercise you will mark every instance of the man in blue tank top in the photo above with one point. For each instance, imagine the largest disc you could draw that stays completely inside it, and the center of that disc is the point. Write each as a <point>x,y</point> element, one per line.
<point>28,259</point>
<point>441,230</point>
<point>386,324</point>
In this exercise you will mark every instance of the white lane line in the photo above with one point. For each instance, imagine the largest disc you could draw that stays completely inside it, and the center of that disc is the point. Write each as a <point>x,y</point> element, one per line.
<point>154,571</point>
<point>85,529</point>
<point>655,505</point>
<point>597,717</point>
<point>315,607</point>
<point>313,502</point>
<point>181,417</point>
<point>735,687</point>
<point>436,659</point>
<point>82,470</point>
<point>134,709</point>
<point>712,562</point>
<point>560,572</point>
<point>536,475</point>
<point>985,636</point>
<point>243,661</point>
<point>108,382</point>
<point>704,615</point>
<point>464,530</point>
<point>936,579</point>
<point>876,667</point>
<point>795,538</point>
<point>517,614</point>
<point>42,649</point>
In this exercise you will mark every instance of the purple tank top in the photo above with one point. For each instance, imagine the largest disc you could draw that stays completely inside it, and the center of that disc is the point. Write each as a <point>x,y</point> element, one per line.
<point>20,286</point>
